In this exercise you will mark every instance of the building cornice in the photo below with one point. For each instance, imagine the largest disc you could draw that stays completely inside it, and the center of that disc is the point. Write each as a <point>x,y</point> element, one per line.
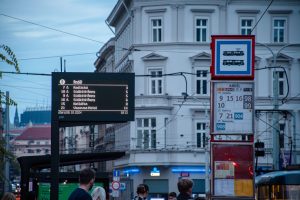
<point>160,10</point>
<point>154,57</point>
<point>280,12</point>
<point>195,10</point>
<point>247,11</point>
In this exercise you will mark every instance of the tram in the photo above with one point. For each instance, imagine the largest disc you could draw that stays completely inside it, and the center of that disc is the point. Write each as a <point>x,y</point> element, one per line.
<point>278,185</point>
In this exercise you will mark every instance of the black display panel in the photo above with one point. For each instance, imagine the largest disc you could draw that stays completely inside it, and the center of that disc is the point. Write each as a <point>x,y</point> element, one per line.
<point>93,97</point>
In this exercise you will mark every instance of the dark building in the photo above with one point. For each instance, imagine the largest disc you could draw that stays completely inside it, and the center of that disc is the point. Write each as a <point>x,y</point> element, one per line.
<point>36,116</point>
<point>16,119</point>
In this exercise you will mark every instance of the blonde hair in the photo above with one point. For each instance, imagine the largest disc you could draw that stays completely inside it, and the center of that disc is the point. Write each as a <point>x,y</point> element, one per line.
<point>99,192</point>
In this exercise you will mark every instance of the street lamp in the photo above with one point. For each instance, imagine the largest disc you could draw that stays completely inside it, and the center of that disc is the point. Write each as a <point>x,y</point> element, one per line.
<point>275,105</point>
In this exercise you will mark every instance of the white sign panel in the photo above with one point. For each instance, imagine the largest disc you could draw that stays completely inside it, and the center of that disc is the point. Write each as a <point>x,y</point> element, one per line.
<point>224,187</point>
<point>233,107</point>
<point>233,58</point>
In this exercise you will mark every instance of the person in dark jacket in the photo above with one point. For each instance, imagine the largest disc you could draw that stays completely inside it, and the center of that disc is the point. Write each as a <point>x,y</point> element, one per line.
<point>185,187</point>
<point>142,192</point>
<point>172,196</point>
<point>86,183</point>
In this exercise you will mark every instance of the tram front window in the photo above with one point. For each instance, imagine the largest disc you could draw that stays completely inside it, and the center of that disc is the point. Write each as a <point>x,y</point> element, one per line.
<point>290,192</point>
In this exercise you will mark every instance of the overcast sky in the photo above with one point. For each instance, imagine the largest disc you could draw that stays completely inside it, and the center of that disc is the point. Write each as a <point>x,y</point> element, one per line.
<point>29,42</point>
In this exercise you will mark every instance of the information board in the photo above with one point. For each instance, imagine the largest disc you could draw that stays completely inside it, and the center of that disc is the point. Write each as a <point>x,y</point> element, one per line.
<point>93,97</point>
<point>233,107</point>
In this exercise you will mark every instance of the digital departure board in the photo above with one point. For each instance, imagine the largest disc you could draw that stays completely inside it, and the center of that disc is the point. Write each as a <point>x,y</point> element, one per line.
<point>233,107</point>
<point>93,97</point>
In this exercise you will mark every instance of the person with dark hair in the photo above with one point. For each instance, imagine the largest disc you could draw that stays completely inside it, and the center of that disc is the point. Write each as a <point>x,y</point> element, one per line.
<point>8,196</point>
<point>86,183</point>
<point>31,195</point>
<point>185,187</point>
<point>172,196</point>
<point>142,192</point>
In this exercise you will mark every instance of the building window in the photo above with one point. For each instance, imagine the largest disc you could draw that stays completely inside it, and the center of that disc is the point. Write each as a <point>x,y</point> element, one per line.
<point>156,30</point>
<point>246,26</point>
<point>146,133</point>
<point>202,82</point>
<point>279,28</point>
<point>281,83</point>
<point>201,134</point>
<point>201,30</point>
<point>30,151</point>
<point>156,81</point>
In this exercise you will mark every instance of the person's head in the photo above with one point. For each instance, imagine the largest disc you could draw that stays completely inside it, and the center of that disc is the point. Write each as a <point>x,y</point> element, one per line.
<point>185,186</point>
<point>99,193</point>
<point>8,196</point>
<point>172,196</point>
<point>87,178</point>
<point>142,190</point>
<point>31,195</point>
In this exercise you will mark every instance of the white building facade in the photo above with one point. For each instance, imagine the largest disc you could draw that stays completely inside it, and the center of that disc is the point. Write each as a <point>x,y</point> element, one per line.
<point>159,39</point>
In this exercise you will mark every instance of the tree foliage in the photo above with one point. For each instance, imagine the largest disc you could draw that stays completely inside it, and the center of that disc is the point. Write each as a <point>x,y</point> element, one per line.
<point>10,58</point>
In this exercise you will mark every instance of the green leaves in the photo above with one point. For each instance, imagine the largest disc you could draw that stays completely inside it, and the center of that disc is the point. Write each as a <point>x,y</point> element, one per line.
<point>11,58</point>
<point>8,100</point>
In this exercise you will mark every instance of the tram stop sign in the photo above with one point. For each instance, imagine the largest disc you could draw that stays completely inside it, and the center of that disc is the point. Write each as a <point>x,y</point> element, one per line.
<point>233,57</point>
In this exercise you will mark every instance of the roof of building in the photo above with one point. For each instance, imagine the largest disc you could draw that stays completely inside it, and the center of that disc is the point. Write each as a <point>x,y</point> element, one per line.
<point>15,131</point>
<point>41,132</point>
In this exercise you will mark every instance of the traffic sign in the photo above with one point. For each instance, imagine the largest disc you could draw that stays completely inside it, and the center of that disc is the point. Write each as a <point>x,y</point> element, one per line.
<point>115,185</point>
<point>115,193</point>
<point>232,57</point>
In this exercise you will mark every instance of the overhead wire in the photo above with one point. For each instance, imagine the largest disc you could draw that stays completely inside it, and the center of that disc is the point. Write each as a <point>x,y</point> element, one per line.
<point>18,78</point>
<point>261,16</point>
<point>51,28</point>
<point>19,86</point>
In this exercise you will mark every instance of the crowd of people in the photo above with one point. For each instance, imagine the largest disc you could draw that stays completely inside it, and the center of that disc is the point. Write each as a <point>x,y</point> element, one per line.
<point>86,183</point>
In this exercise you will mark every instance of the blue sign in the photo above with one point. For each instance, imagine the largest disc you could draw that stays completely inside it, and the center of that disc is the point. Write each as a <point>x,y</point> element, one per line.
<point>233,57</point>
<point>116,173</point>
<point>238,115</point>
<point>221,126</point>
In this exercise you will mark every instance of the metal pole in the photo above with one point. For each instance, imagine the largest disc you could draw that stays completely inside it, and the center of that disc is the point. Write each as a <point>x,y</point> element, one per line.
<point>7,178</point>
<point>54,144</point>
<point>275,122</point>
<point>207,187</point>
<point>276,114</point>
<point>275,117</point>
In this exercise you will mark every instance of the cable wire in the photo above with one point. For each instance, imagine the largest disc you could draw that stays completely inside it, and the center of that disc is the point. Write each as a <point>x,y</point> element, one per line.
<point>53,29</point>
<point>262,16</point>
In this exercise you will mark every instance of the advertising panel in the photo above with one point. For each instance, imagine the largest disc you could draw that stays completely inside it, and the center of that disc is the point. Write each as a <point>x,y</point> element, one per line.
<point>65,189</point>
<point>233,170</point>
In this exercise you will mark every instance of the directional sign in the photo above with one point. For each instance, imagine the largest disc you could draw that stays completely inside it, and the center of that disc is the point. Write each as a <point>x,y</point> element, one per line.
<point>233,107</point>
<point>232,57</point>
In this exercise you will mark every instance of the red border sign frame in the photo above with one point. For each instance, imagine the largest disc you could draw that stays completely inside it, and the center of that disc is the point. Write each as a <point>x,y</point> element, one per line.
<point>234,156</point>
<point>215,76</point>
